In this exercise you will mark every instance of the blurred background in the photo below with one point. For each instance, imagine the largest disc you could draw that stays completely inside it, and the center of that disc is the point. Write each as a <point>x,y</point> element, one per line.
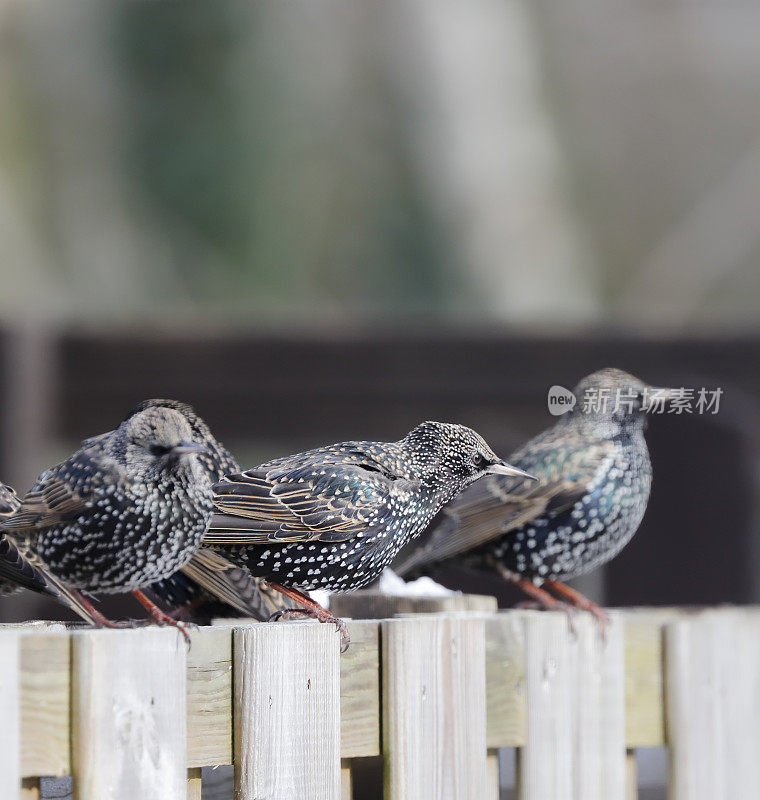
<point>319,222</point>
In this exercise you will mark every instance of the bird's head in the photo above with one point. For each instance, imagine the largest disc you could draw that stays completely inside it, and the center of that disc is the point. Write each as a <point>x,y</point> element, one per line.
<point>615,400</point>
<point>216,460</point>
<point>158,442</point>
<point>449,457</point>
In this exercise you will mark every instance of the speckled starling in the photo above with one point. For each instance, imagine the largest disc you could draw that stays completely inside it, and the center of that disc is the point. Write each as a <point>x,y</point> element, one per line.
<point>334,517</point>
<point>128,509</point>
<point>227,588</point>
<point>594,477</point>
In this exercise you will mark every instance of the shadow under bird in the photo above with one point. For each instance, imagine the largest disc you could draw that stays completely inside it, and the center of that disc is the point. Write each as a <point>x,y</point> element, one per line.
<point>594,477</point>
<point>333,518</point>
<point>128,509</point>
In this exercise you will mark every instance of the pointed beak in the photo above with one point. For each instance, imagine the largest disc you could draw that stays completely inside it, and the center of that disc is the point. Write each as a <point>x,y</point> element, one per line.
<point>188,448</point>
<point>502,468</point>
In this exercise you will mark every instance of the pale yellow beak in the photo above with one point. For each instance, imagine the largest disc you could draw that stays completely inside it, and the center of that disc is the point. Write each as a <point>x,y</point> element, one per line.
<point>502,468</point>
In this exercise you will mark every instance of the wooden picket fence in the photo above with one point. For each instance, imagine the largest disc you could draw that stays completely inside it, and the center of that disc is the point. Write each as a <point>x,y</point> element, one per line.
<point>136,714</point>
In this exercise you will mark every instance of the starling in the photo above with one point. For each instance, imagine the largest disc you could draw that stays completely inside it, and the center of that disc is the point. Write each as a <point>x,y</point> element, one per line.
<point>594,477</point>
<point>225,585</point>
<point>334,517</point>
<point>128,509</point>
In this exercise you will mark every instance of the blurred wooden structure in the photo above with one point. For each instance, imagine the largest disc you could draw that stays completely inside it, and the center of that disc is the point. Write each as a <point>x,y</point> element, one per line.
<point>134,713</point>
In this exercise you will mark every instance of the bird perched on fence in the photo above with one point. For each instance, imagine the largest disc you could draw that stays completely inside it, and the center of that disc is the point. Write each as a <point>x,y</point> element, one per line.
<point>334,517</point>
<point>594,477</point>
<point>128,509</point>
<point>224,584</point>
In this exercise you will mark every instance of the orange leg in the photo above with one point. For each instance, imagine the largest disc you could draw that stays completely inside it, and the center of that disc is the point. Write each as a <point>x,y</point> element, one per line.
<point>578,600</point>
<point>159,616</point>
<point>310,609</point>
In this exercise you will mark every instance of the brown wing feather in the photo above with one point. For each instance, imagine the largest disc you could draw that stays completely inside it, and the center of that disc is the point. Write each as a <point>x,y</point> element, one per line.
<point>309,502</point>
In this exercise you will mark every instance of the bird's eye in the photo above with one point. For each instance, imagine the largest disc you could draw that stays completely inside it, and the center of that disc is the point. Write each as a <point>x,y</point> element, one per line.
<point>478,459</point>
<point>159,450</point>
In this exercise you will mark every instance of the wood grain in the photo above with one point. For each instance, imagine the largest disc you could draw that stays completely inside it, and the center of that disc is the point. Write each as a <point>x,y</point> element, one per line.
<point>644,685</point>
<point>209,697</point>
<point>360,692</point>
<point>505,680</point>
<point>373,605</point>
<point>713,705</point>
<point>194,784</point>
<point>10,718</point>
<point>45,701</point>
<point>545,764</point>
<point>287,711</point>
<point>434,715</point>
<point>129,714</point>
<point>598,709</point>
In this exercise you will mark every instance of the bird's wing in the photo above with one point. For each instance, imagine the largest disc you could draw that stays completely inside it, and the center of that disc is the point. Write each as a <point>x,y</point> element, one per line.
<point>331,502</point>
<point>495,505</point>
<point>62,492</point>
<point>9,501</point>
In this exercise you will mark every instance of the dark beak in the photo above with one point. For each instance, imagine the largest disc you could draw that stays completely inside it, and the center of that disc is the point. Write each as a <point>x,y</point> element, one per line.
<point>188,448</point>
<point>502,468</point>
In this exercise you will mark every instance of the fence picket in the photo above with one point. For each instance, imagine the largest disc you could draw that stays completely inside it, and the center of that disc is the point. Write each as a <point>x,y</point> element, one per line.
<point>713,705</point>
<point>599,709</point>
<point>434,714</point>
<point>10,747</point>
<point>129,714</point>
<point>545,762</point>
<point>287,711</point>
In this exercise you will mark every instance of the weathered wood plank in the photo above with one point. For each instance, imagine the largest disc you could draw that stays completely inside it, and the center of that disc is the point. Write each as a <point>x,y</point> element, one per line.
<point>505,680</point>
<point>346,780</point>
<point>434,718</point>
<point>209,697</point>
<point>644,685</point>
<point>45,702</point>
<point>631,776</point>
<point>194,784</point>
<point>598,709</point>
<point>287,711</point>
<point>30,789</point>
<point>545,763</point>
<point>10,721</point>
<point>129,714</point>
<point>713,705</point>
<point>493,789</point>
<point>373,605</point>
<point>360,692</point>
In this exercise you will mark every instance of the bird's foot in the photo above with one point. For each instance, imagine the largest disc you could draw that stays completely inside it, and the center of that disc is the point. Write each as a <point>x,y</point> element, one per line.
<point>309,609</point>
<point>556,605</point>
<point>544,601</point>
<point>116,625</point>
<point>580,601</point>
<point>162,618</point>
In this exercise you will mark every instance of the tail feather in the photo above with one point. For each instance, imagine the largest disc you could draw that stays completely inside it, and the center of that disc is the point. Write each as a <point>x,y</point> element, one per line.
<point>17,569</point>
